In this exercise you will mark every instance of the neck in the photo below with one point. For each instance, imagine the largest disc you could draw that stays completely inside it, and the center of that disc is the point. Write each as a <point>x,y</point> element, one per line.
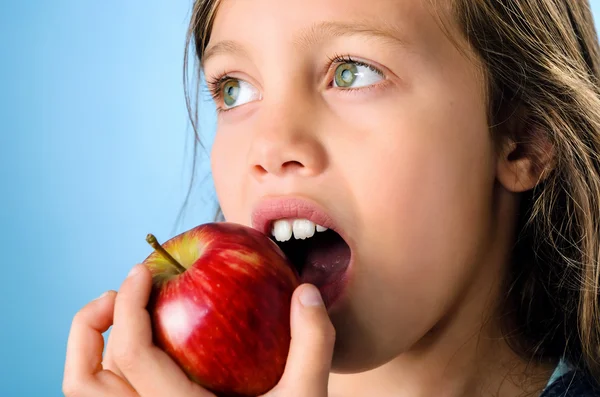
<point>452,360</point>
<point>478,368</point>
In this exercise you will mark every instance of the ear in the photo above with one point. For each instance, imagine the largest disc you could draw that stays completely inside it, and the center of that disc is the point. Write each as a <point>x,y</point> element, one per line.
<point>525,157</point>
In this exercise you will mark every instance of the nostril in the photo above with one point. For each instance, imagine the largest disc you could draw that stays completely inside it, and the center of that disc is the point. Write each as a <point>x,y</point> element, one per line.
<point>292,165</point>
<point>277,169</point>
<point>260,170</point>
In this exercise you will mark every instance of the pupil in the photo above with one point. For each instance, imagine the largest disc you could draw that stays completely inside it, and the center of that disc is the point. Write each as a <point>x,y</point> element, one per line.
<point>347,76</point>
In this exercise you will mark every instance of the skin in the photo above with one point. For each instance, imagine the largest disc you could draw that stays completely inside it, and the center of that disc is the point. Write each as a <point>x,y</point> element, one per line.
<point>132,366</point>
<point>407,168</point>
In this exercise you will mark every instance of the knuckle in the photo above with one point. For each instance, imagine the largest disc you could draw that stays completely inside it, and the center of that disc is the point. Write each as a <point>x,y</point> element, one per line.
<point>79,318</point>
<point>72,387</point>
<point>125,356</point>
<point>324,336</point>
<point>329,334</point>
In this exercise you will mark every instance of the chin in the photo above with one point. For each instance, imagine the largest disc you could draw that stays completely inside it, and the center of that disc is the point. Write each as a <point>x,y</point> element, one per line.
<point>357,349</point>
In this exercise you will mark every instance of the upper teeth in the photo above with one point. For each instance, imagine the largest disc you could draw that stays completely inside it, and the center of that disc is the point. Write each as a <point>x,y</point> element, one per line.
<point>301,228</point>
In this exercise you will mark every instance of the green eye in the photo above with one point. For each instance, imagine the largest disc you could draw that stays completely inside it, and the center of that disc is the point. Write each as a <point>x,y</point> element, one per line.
<point>353,74</point>
<point>345,74</point>
<point>231,91</point>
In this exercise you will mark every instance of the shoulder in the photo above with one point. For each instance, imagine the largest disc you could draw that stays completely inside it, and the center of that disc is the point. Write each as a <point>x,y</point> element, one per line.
<point>573,384</point>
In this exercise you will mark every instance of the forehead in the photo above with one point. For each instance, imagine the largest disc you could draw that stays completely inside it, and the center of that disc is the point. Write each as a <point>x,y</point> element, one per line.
<point>288,20</point>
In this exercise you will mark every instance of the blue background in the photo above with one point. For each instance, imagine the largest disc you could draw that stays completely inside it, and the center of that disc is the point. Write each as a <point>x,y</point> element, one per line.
<point>95,152</point>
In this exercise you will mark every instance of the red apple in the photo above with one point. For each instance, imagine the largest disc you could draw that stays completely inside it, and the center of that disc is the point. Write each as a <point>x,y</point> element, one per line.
<point>220,306</point>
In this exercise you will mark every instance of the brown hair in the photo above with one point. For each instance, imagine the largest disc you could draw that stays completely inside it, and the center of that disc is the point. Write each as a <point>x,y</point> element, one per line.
<point>542,63</point>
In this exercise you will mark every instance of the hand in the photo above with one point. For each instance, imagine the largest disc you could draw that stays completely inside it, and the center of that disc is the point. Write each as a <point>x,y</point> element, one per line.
<point>311,349</point>
<point>133,366</point>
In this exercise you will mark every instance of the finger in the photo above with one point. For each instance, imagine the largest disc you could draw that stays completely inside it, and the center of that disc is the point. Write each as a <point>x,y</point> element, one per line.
<point>311,348</point>
<point>85,342</point>
<point>108,362</point>
<point>149,369</point>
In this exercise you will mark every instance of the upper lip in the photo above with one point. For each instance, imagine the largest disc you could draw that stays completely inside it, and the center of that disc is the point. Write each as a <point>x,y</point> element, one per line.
<point>272,209</point>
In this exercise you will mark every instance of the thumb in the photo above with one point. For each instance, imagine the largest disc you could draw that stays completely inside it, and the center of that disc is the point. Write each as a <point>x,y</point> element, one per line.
<point>311,348</point>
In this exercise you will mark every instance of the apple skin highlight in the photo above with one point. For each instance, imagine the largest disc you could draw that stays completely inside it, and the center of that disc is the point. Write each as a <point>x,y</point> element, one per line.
<point>225,320</point>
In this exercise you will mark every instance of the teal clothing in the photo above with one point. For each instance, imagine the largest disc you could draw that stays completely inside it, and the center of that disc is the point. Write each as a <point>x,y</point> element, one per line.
<point>561,369</point>
<point>568,382</point>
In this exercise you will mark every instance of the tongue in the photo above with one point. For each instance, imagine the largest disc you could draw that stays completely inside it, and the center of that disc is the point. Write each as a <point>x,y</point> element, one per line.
<point>321,259</point>
<point>326,253</point>
<point>327,257</point>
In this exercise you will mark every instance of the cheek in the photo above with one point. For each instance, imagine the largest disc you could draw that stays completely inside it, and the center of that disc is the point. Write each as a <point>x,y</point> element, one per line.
<point>424,194</point>
<point>228,163</point>
<point>443,176</point>
<point>434,198</point>
<point>429,167</point>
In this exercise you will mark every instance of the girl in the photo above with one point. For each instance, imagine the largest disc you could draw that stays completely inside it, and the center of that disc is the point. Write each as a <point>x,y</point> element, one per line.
<point>450,147</point>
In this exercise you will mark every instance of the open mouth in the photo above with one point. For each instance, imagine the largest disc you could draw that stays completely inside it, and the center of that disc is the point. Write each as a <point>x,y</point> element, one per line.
<point>321,256</point>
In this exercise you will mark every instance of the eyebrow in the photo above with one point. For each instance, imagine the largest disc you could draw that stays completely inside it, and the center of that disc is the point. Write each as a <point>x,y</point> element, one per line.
<point>328,30</point>
<point>316,34</point>
<point>223,47</point>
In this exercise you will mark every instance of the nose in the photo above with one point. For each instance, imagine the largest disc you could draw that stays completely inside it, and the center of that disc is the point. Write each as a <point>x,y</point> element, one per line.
<point>286,143</point>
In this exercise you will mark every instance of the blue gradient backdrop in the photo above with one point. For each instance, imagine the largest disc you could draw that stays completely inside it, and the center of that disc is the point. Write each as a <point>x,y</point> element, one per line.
<point>95,152</point>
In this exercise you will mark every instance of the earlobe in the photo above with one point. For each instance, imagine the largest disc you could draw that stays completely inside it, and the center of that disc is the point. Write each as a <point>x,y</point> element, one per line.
<point>522,165</point>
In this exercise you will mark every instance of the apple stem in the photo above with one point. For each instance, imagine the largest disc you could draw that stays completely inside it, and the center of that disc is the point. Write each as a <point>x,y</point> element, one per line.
<point>158,248</point>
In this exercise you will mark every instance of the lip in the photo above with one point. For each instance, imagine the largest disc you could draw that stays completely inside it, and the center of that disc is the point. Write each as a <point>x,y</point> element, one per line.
<point>270,209</point>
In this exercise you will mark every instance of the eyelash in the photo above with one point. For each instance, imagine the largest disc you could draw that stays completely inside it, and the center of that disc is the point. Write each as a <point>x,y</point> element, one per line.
<point>215,83</point>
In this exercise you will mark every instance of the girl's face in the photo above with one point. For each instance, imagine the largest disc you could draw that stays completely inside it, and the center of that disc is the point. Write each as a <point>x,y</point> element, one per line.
<point>367,110</point>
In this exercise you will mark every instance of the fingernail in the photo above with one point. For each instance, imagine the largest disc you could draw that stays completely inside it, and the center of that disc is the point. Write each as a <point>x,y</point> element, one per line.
<point>102,296</point>
<point>136,269</point>
<point>310,296</point>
